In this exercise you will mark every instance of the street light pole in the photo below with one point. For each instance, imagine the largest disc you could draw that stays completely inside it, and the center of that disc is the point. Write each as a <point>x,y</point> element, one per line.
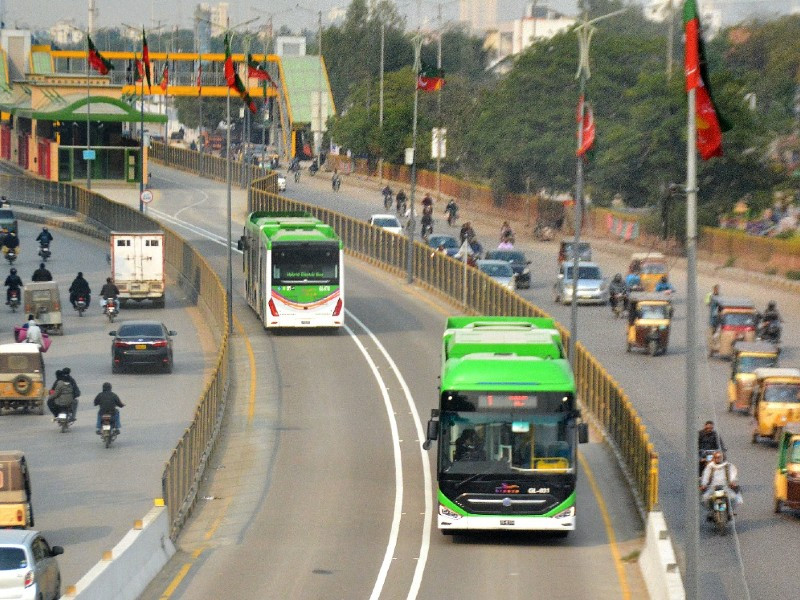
<point>88,123</point>
<point>439,111</point>
<point>412,222</point>
<point>318,141</point>
<point>380,101</point>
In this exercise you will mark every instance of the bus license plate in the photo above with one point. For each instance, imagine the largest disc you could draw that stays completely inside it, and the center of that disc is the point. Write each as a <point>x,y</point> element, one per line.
<point>507,522</point>
<point>305,322</point>
<point>141,346</point>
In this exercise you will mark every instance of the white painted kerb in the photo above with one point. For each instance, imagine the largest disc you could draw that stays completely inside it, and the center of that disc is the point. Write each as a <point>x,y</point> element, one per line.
<point>657,561</point>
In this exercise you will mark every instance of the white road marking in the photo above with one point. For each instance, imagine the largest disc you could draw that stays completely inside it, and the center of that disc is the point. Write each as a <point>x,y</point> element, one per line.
<point>205,197</point>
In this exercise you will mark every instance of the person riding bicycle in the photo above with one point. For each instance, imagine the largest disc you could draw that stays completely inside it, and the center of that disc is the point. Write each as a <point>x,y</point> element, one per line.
<point>427,224</point>
<point>387,191</point>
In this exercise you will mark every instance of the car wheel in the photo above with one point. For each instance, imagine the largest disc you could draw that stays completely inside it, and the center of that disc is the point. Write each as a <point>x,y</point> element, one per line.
<point>115,368</point>
<point>58,588</point>
<point>778,506</point>
<point>168,367</point>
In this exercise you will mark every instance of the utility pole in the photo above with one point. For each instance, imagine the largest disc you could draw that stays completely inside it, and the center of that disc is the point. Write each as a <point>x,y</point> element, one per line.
<point>412,222</point>
<point>380,100</point>
<point>318,141</point>
<point>439,110</point>
<point>88,160</point>
<point>670,36</point>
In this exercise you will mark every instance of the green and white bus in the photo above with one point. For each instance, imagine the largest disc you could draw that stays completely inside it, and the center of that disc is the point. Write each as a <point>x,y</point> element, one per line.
<point>293,270</point>
<point>507,427</point>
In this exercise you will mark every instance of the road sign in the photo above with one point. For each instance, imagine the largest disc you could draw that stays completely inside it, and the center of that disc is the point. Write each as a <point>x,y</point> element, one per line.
<point>89,155</point>
<point>146,196</point>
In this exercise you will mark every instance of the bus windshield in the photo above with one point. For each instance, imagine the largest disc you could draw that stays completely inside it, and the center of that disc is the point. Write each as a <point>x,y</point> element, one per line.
<point>304,263</point>
<point>502,443</point>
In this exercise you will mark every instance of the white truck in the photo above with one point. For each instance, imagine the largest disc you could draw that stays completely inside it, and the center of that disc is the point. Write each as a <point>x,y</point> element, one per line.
<point>137,266</point>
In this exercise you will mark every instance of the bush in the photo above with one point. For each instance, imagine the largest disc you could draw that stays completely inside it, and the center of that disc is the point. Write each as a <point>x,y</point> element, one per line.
<point>793,275</point>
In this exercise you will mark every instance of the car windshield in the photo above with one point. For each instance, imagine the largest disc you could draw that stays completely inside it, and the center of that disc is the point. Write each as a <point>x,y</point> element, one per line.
<point>497,269</point>
<point>386,222</point>
<point>739,319</point>
<point>12,559</point>
<point>6,215</point>
<point>141,330</point>
<point>748,364</point>
<point>444,240</point>
<point>583,248</point>
<point>653,311</point>
<point>585,273</point>
<point>294,263</point>
<point>653,268</point>
<point>782,392</point>
<point>20,363</point>
<point>506,255</point>
<point>504,442</point>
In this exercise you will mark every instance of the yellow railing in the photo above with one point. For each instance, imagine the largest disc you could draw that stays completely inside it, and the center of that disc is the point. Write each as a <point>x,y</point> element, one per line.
<point>185,466</point>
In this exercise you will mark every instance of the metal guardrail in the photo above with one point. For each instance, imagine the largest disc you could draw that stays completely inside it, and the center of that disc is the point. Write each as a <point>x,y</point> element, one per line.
<point>604,399</point>
<point>184,468</point>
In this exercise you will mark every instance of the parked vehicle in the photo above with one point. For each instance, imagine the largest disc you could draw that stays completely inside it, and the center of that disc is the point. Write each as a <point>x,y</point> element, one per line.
<point>747,357</point>
<point>22,385</point>
<point>518,262</point>
<point>28,566</point>
<point>649,317</point>
<point>787,474</point>
<point>591,286</point>
<point>15,491</point>
<point>42,300</point>
<point>737,319</point>
<point>141,343</point>
<point>137,266</point>
<point>776,402</point>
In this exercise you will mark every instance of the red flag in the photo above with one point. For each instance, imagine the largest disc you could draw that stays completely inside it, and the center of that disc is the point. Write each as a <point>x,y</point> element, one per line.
<point>230,72</point>
<point>588,131</point>
<point>146,58</point>
<point>256,70</point>
<point>709,131</point>
<point>430,79</point>
<point>200,78</point>
<point>139,70</point>
<point>165,77</point>
<point>96,60</point>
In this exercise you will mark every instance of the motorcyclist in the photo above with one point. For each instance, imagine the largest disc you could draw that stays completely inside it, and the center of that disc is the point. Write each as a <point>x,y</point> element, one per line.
<point>720,472</point>
<point>427,224</point>
<point>664,286</point>
<point>427,205</point>
<point>79,287</point>
<point>336,179</point>
<point>10,242</point>
<point>4,203</point>
<point>708,440</point>
<point>616,290</point>
<point>451,210</point>
<point>108,402</point>
<point>66,372</point>
<point>13,283</point>
<point>632,279</point>
<point>42,274</point>
<point>63,397</point>
<point>45,237</point>
<point>401,201</point>
<point>110,291</point>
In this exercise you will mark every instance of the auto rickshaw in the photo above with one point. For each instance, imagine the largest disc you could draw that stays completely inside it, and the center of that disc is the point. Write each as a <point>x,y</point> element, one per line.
<point>747,357</point>
<point>649,317</point>
<point>42,300</point>
<point>652,267</point>
<point>15,491</point>
<point>787,475</point>
<point>776,401</point>
<point>22,383</point>
<point>736,321</point>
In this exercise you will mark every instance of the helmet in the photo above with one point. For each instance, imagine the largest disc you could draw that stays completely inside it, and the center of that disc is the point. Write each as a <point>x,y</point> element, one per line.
<point>770,306</point>
<point>44,228</point>
<point>41,265</point>
<point>618,277</point>
<point>106,387</point>
<point>13,271</point>
<point>66,371</point>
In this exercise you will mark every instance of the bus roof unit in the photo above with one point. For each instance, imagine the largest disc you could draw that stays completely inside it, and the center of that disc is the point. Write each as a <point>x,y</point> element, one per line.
<point>291,226</point>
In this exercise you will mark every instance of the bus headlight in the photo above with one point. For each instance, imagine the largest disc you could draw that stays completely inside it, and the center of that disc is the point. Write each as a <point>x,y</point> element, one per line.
<point>446,512</point>
<point>566,514</point>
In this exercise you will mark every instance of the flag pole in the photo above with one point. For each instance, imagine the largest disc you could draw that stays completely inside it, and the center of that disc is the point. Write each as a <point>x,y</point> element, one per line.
<point>692,505</point>
<point>88,122</point>
<point>141,138</point>
<point>411,220</point>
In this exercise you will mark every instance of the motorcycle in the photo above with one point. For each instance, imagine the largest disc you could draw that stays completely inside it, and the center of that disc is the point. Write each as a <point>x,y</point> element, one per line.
<point>80,305</point>
<point>63,420</point>
<point>44,251</point>
<point>313,168</point>
<point>618,304</point>
<point>427,227</point>
<point>770,331</point>
<point>720,509</point>
<point>11,256</point>
<point>107,432</point>
<point>336,183</point>
<point>387,200</point>
<point>297,175</point>
<point>110,309</point>
<point>13,300</point>
<point>452,217</point>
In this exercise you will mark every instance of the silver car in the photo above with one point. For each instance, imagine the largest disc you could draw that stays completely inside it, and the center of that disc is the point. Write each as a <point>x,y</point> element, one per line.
<point>28,567</point>
<point>592,288</point>
<point>500,271</point>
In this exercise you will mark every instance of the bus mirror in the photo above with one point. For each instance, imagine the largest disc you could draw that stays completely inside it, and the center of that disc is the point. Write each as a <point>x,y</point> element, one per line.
<point>241,243</point>
<point>433,433</point>
<point>583,433</point>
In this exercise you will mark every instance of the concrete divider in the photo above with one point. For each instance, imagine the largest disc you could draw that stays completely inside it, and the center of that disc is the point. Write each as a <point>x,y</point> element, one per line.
<point>658,563</point>
<point>124,572</point>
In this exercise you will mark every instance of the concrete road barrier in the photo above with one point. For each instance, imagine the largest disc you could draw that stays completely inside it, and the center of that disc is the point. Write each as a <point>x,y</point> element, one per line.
<point>658,563</point>
<point>124,572</point>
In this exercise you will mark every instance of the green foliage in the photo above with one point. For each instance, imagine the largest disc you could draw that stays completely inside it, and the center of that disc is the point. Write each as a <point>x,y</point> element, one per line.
<point>188,108</point>
<point>793,275</point>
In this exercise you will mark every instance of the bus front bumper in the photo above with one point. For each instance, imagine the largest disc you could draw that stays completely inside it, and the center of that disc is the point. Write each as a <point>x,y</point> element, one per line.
<point>563,521</point>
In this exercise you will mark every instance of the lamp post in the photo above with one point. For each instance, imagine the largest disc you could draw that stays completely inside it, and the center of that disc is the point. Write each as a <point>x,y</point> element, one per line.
<point>141,124</point>
<point>412,222</point>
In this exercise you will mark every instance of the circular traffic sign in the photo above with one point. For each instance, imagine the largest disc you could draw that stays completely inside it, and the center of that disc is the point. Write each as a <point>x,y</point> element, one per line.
<point>146,196</point>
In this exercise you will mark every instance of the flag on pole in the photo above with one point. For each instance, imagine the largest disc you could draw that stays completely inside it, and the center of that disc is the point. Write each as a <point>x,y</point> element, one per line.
<point>139,70</point>
<point>199,77</point>
<point>96,60</point>
<point>430,79</point>
<point>257,70</point>
<point>588,130</point>
<point>710,123</point>
<point>146,59</point>
<point>234,81</point>
<point>165,78</point>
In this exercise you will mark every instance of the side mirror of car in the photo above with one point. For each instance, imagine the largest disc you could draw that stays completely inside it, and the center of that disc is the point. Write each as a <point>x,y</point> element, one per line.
<point>112,333</point>
<point>583,433</point>
<point>56,550</point>
<point>172,332</point>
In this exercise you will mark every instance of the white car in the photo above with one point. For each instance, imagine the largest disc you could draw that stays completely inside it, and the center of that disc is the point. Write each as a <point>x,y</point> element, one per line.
<point>592,287</point>
<point>500,271</point>
<point>28,567</point>
<point>387,222</point>
<point>281,183</point>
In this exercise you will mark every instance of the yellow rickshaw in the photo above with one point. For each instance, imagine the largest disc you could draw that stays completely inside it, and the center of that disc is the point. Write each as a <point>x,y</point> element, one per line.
<point>22,384</point>
<point>776,401</point>
<point>649,317</point>
<point>652,267</point>
<point>747,357</point>
<point>736,321</point>
<point>15,491</point>
<point>42,300</point>
<point>787,475</point>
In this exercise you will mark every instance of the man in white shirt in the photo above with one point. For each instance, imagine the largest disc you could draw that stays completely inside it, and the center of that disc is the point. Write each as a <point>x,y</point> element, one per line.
<point>34,334</point>
<point>721,472</point>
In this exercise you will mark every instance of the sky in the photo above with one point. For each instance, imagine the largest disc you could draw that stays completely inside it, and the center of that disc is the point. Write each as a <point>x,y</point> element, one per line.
<point>179,12</point>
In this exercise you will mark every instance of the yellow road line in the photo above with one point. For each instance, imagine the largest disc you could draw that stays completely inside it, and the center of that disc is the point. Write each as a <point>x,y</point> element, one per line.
<point>251,404</point>
<point>215,525</point>
<point>176,581</point>
<point>612,538</point>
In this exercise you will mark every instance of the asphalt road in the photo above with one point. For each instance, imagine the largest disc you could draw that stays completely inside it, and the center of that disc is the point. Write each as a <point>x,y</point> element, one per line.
<point>86,497</point>
<point>322,477</point>
<point>756,562</point>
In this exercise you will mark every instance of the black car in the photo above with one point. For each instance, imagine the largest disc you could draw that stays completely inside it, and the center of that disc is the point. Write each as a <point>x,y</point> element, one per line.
<point>141,343</point>
<point>519,263</point>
